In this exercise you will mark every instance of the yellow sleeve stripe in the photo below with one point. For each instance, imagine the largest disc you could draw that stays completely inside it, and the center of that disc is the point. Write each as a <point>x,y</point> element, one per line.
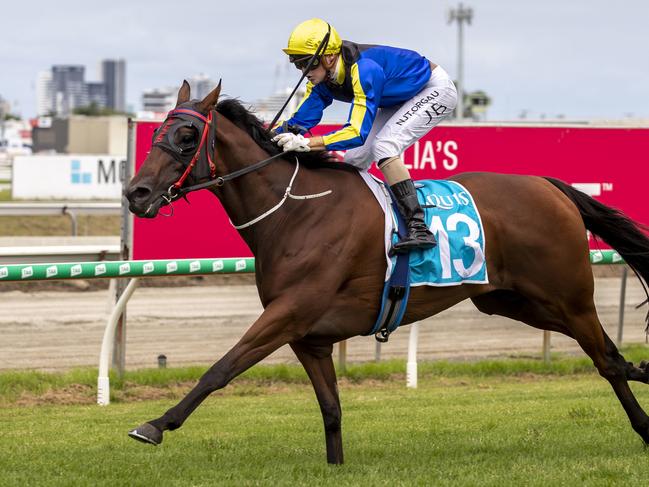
<point>307,93</point>
<point>359,108</point>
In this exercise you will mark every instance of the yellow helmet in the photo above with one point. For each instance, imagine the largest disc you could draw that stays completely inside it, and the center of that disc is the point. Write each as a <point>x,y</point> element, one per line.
<point>307,36</point>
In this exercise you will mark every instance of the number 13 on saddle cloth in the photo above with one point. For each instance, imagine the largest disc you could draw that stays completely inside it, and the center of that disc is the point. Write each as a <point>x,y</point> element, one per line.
<point>451,214</point>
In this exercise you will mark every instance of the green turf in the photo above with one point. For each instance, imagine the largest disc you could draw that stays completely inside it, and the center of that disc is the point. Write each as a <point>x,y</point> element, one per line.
<point>15,383</point>
<point>557,430</point>
<point>482,423</point>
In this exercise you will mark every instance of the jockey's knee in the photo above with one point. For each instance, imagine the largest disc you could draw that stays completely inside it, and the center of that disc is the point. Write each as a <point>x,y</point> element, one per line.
<point>359,157</point>
<point>394,170</point>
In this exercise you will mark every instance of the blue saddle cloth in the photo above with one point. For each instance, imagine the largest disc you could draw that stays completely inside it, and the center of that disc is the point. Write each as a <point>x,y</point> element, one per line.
<point>459,255</point>
<point>458,258</point>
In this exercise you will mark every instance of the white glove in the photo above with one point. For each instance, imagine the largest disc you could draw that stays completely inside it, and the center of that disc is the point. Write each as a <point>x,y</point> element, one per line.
<point>292,142</point>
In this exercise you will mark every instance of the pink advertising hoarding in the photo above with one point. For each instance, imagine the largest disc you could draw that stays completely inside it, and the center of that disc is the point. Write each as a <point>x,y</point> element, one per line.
<point>611,164</point>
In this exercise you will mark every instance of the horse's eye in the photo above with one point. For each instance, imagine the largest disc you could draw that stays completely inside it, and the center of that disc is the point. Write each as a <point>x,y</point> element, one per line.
<point>187,139</point>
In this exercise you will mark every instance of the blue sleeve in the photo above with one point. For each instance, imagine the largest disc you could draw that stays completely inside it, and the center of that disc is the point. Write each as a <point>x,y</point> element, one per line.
<point>368,80</point>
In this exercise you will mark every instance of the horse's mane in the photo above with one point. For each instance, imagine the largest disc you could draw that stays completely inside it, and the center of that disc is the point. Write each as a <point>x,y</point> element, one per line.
<point>237,113</point>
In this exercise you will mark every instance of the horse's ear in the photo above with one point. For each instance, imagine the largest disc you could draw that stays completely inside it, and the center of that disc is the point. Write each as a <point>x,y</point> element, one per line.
<point>183,93</point>
<point>211,99</point>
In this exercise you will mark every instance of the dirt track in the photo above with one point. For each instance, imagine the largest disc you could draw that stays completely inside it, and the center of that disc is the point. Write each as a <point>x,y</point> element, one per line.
<point>55,330</point>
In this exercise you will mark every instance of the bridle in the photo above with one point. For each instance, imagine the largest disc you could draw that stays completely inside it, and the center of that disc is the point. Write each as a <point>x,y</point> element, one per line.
<point>164,138</point>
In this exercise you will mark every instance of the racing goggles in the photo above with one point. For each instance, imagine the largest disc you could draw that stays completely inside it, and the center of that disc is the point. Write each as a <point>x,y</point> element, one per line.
<point>302,62</point>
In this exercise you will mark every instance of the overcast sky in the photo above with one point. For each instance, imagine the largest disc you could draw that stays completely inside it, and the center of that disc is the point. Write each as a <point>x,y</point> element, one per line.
<point>577,58</point>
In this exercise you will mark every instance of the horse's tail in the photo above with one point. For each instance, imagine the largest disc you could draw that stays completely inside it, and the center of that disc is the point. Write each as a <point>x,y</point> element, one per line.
<point>615,228</point>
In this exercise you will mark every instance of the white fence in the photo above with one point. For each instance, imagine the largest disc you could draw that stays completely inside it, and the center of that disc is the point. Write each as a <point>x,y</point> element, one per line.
<point>31,250</point>
<point>69,209</point>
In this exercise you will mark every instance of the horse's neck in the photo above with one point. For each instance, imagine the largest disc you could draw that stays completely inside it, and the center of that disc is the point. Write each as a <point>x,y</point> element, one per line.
<point>251,195</point>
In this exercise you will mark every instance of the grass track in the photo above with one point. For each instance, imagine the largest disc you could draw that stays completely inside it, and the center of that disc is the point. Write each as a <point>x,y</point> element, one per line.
<point>460,430</point>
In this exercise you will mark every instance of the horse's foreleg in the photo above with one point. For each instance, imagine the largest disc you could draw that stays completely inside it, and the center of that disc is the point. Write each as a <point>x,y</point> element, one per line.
<point>319,366</point>
<point>280,324</point>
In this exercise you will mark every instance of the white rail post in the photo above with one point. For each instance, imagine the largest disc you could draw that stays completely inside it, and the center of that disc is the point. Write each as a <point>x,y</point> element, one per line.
<point>620,326</point>
<point>342,356</point>
<point>103,381</point>
<point>411,366</point>
<point>547,345</point>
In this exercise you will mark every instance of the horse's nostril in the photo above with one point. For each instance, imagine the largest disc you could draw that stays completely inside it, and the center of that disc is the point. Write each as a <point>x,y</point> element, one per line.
<point>138,193</point>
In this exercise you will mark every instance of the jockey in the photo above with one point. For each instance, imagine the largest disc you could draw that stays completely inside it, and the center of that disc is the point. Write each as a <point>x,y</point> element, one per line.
<point>396,97</point>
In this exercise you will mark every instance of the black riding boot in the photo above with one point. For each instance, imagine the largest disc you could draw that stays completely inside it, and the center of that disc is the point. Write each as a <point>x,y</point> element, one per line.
<point>419,236</point>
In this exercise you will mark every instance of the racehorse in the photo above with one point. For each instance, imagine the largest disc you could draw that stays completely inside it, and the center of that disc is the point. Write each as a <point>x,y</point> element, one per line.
<point>320,263</point>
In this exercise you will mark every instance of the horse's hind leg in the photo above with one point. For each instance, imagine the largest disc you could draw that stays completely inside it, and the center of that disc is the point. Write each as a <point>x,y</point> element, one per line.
<point>611,365</point>
<point>640,374</point>
<point>580,322</point>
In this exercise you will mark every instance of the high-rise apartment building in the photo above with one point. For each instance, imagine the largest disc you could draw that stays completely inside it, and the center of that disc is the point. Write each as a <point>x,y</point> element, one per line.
<point>44,95</point>
<point>113,75</point>
<point>97,94</point>
<point>69,89</point>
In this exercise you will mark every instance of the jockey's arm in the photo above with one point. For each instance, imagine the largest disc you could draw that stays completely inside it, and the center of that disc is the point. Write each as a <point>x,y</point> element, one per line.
<point>367,84</point>
<point>309,111</point>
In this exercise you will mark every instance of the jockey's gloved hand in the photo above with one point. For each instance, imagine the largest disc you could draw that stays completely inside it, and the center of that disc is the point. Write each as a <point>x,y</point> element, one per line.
<point>291,142</point>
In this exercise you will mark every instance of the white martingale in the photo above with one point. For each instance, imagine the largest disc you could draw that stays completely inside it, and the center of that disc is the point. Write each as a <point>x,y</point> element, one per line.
<point>287,194</point>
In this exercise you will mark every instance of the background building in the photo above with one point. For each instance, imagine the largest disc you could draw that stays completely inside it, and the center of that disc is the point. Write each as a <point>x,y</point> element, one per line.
<point>266,108</point>
<point>200,86</point>
<point>97,94</point>
<point>159,100</point>
<point>113,76</point>
<point>63,88</point>
<point>44,94</point>
<point>69,89</point>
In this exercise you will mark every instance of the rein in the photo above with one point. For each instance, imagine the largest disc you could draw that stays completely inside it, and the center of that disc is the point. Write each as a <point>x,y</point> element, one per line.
<point>176,193</point>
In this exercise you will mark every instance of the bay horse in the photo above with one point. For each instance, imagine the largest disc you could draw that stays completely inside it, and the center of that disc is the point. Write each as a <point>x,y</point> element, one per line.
<point>320,263</point>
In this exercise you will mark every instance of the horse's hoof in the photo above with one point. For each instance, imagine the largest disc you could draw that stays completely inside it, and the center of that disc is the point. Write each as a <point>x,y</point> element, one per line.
<point>147,433</point>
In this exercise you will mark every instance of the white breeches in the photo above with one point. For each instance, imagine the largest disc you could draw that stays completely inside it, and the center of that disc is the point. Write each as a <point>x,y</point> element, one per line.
<point>396,128</point>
